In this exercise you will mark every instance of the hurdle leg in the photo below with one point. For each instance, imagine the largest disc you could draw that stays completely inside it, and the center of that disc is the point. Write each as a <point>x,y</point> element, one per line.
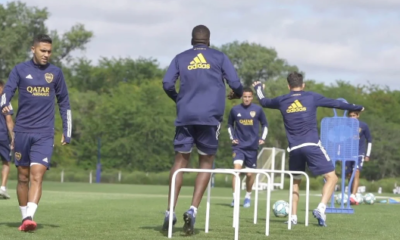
<point>208,204</point>
<point>171,205</point>
<point>290,201</point>
<point>256,199</point>
<point>267,217</point>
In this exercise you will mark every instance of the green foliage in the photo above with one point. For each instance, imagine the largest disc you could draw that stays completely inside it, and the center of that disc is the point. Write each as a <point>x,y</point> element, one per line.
<point>121,102</point>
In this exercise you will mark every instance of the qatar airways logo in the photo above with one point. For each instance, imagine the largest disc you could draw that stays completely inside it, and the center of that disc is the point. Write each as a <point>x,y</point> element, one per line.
<point>38,91</point>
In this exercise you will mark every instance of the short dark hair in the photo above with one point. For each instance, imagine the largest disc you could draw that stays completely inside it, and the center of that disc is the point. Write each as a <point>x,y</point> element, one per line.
<point>295,79</point>
<point>1,83</point>
<point>247,89</point>
<point>200,34</point>
<point>42,38</point>
<point>353,111</point>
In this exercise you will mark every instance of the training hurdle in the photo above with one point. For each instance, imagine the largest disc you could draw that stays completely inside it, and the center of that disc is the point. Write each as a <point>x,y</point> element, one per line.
<point>237,196</point>
<point>290,173</point>
<point>212,171</point>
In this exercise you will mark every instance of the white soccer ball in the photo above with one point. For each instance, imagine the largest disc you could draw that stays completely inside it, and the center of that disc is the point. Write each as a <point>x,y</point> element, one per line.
<point>369,198</point>
<point>281,208</point>
<point>339,198</point>
<point>359,198</point>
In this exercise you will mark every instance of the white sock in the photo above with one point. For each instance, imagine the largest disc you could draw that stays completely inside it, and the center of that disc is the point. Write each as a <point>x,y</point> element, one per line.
<point>233,195</point>
<point>248,195</point>
<point>353,196</point>
<point>194,210</point>
<point>31,209</point>
<point>3,188</point>
<point>294,217</point>
<point>23,211</point>
<point>321,207</point>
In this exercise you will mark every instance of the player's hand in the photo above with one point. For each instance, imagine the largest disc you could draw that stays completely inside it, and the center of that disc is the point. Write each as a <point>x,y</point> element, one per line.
<point>366,159</point>
<point>12,144</point>
<point>257,83</point>
<point>235,141</point>
<point>63,142</point>
<point>261,142</point>
<point>6,110</point>
<point>232,95</point>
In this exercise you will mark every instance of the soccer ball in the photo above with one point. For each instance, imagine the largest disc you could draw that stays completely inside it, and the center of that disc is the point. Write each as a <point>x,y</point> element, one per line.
<point>280,208</point>
<point>369,198</point>
<point>359,198</point>
<point>339,198</point>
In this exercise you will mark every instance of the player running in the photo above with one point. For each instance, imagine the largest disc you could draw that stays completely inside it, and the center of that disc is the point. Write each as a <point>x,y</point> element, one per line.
<point>364,153</point>
<point>299,112</point>
<point>243,128</point>
<point>38,83</point>
<point>200,106</point>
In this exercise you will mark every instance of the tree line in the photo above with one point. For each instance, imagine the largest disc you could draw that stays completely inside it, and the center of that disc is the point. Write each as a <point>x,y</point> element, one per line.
<point>121,101</point>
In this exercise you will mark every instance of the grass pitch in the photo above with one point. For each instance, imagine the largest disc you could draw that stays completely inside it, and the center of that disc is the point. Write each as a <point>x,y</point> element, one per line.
<point>113,211</point>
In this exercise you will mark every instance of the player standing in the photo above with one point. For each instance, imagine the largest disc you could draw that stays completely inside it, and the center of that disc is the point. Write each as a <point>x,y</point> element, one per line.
<point>38,83</point>
<point>6,143</point>
<point>243,128</point>
<point>200,106</point>
<point>364,153</point>
<point>299,112</point>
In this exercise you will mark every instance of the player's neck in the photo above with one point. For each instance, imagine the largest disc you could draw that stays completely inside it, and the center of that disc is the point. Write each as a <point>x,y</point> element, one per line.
<point>296,89</point>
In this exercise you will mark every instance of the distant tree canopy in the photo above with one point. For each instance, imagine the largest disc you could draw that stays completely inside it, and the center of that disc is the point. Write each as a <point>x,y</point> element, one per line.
<point>121,100</point>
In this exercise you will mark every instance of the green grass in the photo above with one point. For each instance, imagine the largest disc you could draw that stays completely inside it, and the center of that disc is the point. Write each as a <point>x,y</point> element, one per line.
<point>115,211</point>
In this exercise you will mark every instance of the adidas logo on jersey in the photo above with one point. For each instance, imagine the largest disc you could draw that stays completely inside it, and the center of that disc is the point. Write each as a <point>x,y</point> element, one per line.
<point>296,106</point>
<point>199,62</point>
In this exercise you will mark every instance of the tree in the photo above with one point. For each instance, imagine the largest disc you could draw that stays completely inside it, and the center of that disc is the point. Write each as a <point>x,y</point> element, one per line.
<point>254,62</point>
<point>20,23</point>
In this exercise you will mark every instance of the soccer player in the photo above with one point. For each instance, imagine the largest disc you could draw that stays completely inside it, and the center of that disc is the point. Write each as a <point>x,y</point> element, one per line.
<point>6,134</point>
<point>200,106</point>
<point>299,112</point>
<point>243,128</point>
<point>38,83</point>
<point>364,153</point>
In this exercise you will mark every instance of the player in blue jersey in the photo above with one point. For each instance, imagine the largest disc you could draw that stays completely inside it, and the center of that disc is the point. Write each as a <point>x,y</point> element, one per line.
<point>6,144</point>
<point>299,112</point>
<point>200,106</point>
<point>39,83</point>
<point>243,128</point>
<point>364,153</point>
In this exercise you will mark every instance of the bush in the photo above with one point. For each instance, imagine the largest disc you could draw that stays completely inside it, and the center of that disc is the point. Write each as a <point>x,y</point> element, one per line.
<point>162,178</point>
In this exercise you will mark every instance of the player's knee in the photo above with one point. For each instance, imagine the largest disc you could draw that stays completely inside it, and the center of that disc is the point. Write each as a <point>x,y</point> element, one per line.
<point>331,176</point>
<point>23,178</point>
<point>249,175</point>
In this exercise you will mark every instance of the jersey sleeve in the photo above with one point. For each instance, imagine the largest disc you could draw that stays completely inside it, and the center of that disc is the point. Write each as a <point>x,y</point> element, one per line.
<point>266,102</point>
<point>229,73</point>
<point>231,125</point>
<point>322,101</point>
<point>170,78</point>
<point>264,124</point>
<point>64,106</point>
<point>10,88</point>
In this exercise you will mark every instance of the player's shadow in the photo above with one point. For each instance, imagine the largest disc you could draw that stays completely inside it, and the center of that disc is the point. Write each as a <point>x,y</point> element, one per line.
<point>224,205</point>
<point>39,225</point>
<point>175,230</point>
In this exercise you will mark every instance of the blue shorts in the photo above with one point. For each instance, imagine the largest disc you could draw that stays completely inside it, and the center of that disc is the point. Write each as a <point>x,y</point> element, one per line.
<point>248,158</point>
<point>316,158</point>
<point>359,165</point>
<point>204,137</point>
<point>5,151</point>
<point>33,148</point>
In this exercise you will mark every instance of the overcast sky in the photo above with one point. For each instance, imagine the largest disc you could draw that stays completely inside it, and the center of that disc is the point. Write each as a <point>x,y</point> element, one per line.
<point>353,40</point>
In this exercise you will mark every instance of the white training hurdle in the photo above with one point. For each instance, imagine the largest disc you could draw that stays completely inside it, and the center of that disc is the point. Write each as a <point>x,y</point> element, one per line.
<point>290,173</point>
<point>236,209</point>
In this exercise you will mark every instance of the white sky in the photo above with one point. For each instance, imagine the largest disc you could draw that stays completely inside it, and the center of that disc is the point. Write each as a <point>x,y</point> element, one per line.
<point>352,40</point>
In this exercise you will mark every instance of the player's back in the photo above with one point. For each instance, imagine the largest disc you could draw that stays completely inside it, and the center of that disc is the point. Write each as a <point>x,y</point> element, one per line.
<point>299,111</point>
<point>201,97</point>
